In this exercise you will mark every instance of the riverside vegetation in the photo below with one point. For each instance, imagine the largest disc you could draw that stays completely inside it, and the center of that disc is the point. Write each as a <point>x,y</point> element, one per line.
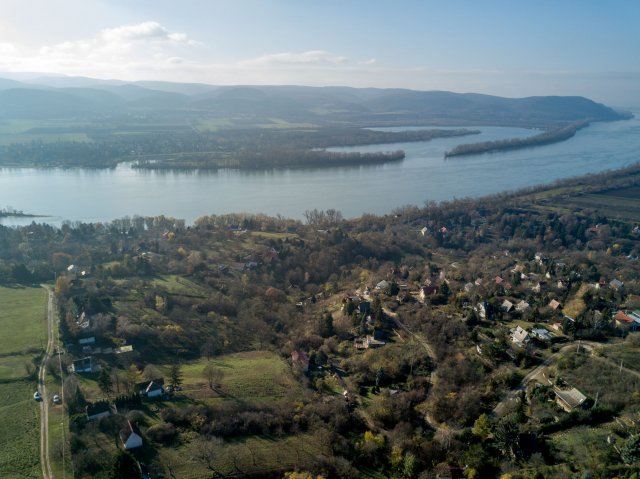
<point>378,346</point>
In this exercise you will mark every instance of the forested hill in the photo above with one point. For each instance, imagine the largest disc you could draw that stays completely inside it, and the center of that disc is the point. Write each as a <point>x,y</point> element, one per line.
<point>84,98</point>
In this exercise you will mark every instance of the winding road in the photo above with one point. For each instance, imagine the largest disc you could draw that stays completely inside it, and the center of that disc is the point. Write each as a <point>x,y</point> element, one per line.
<point>44,404</point>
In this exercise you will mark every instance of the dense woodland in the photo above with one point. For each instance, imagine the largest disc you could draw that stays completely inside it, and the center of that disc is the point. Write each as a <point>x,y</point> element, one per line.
<point>421,404</point>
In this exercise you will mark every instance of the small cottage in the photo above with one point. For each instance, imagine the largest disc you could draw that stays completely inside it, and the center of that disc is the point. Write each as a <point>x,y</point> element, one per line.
<point>569,399</point>
<point>131,437</point>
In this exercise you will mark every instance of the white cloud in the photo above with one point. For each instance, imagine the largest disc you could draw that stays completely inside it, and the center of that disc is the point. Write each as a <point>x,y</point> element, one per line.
<point>7,48</point>
<point>145,31</point>
<point>125,51</point>
<point>313,57</point>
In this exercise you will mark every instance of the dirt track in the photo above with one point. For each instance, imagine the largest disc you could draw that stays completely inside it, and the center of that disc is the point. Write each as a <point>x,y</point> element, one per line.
<point>44,404</point>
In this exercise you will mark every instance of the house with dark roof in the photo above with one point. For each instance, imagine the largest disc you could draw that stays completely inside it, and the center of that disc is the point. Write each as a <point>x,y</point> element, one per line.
<point>97,410</point>
<point>426,291</point>
<point>83,365</point>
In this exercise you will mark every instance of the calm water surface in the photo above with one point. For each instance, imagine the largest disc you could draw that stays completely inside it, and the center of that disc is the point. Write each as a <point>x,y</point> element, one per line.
<point>102,195</point>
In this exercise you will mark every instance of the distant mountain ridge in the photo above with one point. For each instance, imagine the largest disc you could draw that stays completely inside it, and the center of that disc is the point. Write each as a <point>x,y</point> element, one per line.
<point>86,98</point>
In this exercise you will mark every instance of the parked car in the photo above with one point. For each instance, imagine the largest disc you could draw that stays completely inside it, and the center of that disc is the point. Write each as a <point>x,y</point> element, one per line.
<point>56,399</point>
<point>36,396</point>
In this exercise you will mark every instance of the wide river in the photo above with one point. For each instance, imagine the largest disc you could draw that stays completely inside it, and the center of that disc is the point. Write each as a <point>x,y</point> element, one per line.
<point>101,195</point>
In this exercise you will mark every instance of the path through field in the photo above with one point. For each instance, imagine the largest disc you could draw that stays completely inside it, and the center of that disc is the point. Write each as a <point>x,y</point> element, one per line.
<point>44,404</point>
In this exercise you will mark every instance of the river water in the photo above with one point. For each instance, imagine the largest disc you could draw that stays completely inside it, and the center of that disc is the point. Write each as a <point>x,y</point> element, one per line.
<point>102,195</point>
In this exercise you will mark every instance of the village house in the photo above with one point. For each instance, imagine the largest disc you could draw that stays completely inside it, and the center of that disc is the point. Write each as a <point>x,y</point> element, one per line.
<point>539,286</point>
<point>484,310</point>
<point>569,399</point>
<point>83,365</point>
<point>518,268</point>
<point>520,337</point>
<point>555,305</point>
<point>426,291</point>
<point>131,437</point>
<point>541,334</point>
<point>151,389</point>
<point>616,284</point>
<point>522,306</point>
<point>627,321</point>
<point>97,410</point>
<point>367,342</point>
<point>507,306</point>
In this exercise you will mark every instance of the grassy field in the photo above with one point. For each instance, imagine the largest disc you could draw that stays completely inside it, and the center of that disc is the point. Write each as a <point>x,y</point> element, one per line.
<point>576,306</point>
<point>255,376</point>
<point>181,286</point>
<point>628,352</point>
<point>22,318</point>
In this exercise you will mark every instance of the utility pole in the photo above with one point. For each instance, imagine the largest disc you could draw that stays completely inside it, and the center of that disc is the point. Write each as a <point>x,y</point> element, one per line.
<point>596,401</point>
<point>621,365</point>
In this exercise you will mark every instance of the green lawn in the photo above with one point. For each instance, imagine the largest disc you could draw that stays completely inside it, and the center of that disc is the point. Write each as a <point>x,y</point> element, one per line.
<point>22,318</point>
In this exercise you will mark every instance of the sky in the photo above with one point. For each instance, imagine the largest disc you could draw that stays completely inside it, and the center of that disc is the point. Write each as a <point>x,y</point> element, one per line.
<point>510,48</point>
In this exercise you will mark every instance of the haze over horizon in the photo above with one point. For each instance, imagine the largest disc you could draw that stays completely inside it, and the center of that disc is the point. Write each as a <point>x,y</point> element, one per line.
<point>496,47</point>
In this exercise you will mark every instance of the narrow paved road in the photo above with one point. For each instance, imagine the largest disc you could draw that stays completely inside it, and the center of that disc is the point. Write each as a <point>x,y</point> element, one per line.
<point>44,404</point>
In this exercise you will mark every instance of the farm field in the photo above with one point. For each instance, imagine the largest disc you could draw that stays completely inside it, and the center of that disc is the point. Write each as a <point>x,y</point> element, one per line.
<point>22,318</point>
<point>623,203</point>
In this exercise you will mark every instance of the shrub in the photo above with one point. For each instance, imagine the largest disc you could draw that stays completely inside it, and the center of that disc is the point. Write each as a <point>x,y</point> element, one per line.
<point>162,433</point>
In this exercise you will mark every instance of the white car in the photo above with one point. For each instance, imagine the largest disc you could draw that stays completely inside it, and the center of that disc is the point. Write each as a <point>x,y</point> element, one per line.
<point>36,396</point>
<point>56,399</point>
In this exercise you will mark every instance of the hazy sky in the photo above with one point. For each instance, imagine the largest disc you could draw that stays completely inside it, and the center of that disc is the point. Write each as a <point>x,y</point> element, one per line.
<point>508,47</point>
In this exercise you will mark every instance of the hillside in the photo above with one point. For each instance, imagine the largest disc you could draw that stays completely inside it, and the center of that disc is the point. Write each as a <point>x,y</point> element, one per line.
<point>62,97</point>
<point>406,345</point>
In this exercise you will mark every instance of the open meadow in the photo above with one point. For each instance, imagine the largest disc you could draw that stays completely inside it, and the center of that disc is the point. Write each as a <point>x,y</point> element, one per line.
<point>22,318</point>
